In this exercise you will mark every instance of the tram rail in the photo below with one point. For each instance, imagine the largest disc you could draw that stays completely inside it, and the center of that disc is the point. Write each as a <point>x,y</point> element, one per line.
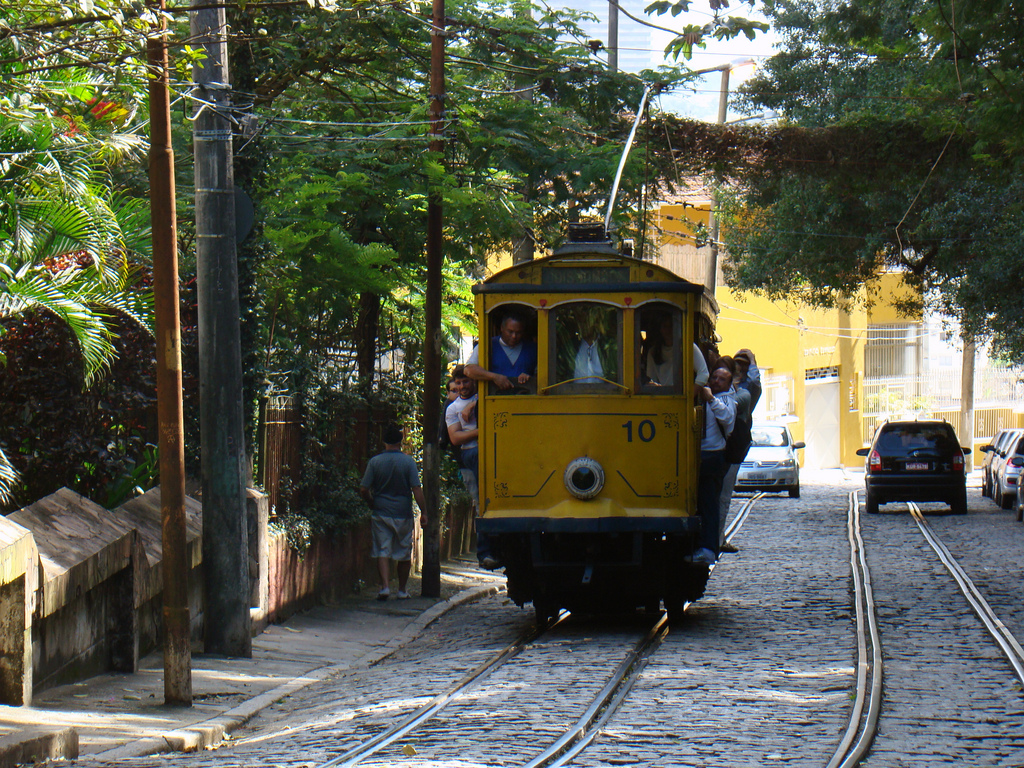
<point>1002,635</point>
<point>867,705</point>
<point>589,724</point>
<point>865,716</point>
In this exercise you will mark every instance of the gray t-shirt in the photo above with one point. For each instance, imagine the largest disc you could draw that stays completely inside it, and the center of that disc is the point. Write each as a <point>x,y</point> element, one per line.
<point>390,477</point>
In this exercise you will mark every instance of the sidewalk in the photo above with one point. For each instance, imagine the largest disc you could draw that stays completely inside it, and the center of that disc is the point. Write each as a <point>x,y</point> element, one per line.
<point>117,716</point>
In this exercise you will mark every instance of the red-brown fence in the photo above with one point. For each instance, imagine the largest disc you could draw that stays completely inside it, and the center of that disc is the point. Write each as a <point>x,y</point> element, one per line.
<point>280,456</point>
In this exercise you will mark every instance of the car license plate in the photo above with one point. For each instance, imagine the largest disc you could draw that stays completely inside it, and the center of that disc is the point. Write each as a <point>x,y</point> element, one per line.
<point>756,476</point>
<point>912,465</point>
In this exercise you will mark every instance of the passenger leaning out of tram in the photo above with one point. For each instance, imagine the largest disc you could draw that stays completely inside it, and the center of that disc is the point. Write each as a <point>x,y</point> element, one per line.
<point>461,419</point>
<point>719,421</point>
<point>746,389</point>
<point>656,352</point>
<point>513,358</point>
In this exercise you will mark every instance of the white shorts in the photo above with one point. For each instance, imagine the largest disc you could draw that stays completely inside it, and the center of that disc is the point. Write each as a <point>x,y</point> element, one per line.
<point>392,537</point>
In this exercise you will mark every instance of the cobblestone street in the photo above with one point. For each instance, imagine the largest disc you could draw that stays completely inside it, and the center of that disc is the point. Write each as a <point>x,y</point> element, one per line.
<point>760,673</point>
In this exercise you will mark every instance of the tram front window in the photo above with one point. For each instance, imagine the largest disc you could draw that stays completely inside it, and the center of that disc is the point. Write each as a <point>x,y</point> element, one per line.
<point>587,348</point>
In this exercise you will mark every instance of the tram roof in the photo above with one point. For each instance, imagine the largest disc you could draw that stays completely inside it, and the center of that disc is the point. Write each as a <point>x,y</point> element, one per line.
<point>586,268</point>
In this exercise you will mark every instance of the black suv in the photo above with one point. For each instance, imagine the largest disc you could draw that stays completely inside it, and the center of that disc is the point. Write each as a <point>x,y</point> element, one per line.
<point>915,461</point>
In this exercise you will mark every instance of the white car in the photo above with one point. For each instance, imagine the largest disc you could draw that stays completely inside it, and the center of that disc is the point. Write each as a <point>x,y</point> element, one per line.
<point>771,464</point>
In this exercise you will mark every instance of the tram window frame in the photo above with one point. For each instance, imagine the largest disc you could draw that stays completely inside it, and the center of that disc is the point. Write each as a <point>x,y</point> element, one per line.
<point>646,387</point>
<point>554,358</point>
<point>495,317</point>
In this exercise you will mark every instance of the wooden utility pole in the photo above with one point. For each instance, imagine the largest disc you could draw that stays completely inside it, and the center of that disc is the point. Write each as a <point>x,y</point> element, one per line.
<point>226,623</point>
<point>177,621</point>
<point>432,340</point>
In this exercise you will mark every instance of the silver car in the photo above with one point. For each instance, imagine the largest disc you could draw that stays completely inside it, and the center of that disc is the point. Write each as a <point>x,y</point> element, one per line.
<point>771,463</point>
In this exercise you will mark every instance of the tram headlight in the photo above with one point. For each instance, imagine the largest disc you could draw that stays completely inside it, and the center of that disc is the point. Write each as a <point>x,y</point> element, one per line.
<point>584,478</point>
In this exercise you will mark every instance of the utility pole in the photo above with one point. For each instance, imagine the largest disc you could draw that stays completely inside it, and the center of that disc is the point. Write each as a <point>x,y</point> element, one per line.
<point>613,36</point>
<point>432,343</point>
<point>723,105</point>
<point>177,621</point>
<point>226,622</point>
<point>967,399</point>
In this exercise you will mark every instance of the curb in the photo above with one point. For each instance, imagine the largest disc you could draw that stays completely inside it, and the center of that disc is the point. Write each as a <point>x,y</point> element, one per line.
<point>211,732</point>
<point>35,745</point>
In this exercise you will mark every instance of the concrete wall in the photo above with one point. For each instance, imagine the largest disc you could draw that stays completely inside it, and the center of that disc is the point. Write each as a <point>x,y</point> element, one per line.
<point>81,586</point>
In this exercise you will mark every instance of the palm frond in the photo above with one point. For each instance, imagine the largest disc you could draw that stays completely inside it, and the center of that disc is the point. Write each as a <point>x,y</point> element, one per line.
<point>59,294</point>
<point>8,478</point>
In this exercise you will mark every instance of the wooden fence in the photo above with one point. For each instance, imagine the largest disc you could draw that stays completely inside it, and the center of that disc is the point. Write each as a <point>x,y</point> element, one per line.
<point>280,455</point>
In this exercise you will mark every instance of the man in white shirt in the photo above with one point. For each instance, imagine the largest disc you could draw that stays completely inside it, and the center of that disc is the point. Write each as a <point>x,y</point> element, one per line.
<point>460,417</point>
<point>588,368</point>
<point>462,431</point>
<point>719,421</point>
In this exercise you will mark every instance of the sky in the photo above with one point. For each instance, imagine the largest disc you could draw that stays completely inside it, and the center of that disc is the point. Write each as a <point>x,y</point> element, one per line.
<point>700,102</point>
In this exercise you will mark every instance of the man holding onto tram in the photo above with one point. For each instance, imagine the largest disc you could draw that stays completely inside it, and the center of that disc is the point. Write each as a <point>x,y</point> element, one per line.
<point>719,421</point>
<point>513,359</point>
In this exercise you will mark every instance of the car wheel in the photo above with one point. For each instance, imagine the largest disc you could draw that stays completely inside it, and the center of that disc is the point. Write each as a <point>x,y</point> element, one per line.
<point>958,504</point>
<point>1020,512</point>
<point>1005,501</point>
<point>986,486</point>
<point>871,503</point>
<point>794,491</point>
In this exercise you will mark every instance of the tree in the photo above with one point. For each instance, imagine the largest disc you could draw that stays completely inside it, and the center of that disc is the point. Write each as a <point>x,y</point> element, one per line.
<point>70,244</point>
<point>923,111</point>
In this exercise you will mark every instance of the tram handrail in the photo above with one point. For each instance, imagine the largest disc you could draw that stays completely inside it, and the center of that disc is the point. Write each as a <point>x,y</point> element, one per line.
<point>589,380</point>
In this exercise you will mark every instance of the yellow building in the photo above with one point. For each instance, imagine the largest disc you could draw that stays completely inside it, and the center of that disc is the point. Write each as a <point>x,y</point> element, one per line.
<point>812,360</point>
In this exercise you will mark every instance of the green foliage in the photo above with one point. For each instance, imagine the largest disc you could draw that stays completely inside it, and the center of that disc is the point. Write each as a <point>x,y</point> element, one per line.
<point>57,431</point>
<point>722,26</point>
<point>71,242</point>
<point>911,160</point>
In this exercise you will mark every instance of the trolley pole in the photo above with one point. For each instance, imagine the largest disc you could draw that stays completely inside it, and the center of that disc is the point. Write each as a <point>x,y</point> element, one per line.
<point>177,641</point>
<point>226,624</point>
<point>432,342</point>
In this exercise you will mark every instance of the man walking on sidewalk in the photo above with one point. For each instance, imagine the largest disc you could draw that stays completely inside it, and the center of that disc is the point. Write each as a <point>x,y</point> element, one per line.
<point>389,484</point>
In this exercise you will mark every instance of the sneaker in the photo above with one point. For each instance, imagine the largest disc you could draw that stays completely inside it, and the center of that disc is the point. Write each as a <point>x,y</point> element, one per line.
<point>403,595</point>
<point>704,556</point>
<point>384,594</point>
<point>728,547</point>
<point>490,563</point>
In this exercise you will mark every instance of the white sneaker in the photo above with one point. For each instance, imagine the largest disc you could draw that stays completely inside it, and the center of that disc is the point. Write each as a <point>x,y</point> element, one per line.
<point>384,594</point>
<point>403,595</point>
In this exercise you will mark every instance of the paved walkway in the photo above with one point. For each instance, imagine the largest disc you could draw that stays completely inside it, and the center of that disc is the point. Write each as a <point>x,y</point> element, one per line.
<point>116,716</point>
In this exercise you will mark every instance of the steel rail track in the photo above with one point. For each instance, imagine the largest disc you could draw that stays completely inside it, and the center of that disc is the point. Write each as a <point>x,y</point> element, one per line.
<point>1004,638</point>
<point>610,698</point>
<point>368,747</point>
<point>868,700</point>
<point>589,725</point>
<point>741,517</point>
<point>605,703</point>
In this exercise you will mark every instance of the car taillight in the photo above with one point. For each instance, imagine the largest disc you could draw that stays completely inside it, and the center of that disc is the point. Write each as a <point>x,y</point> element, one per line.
<point>958,463</point>
<point>875,460</point>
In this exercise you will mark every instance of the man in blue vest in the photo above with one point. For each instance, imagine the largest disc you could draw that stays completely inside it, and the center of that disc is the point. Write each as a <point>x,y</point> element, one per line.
<point>513,360</point>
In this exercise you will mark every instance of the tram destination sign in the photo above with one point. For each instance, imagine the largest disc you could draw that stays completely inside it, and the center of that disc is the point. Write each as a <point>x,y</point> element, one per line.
<point>585,275</point>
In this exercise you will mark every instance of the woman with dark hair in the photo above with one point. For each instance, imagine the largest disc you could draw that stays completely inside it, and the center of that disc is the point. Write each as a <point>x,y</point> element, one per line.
<point>656,352</point>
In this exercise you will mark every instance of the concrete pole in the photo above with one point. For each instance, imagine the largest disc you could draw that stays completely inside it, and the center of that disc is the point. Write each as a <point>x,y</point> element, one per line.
<point>613,36</point>
<point>227,627</point>
<point>177,642</point>
<point>431,584</point>
<point>711,280</point>
<point>967,400</point>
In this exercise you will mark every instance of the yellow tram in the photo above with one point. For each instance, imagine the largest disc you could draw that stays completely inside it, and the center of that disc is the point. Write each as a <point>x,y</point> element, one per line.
<point>588,474</point>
